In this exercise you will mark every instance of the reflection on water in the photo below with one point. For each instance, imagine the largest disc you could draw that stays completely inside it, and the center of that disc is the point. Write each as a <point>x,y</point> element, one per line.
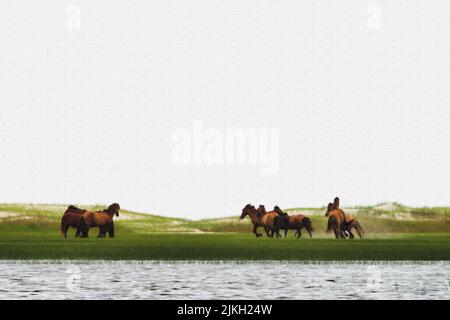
<point>224,280</point>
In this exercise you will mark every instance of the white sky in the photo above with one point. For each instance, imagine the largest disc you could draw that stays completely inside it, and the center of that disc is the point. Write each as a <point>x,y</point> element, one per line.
<point>358,91</point>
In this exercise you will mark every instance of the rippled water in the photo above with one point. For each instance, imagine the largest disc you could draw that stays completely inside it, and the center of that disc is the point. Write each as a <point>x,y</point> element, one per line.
<point>224,280</point>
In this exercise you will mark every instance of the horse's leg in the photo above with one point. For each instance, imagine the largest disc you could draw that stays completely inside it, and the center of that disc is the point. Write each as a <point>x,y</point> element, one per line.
<point>257,233</point>
<point>299,233</point>
<point>65,229</point>
<point>111,230</point>
<point>267,231</point>
<point>341,232</point>
<point>285,232</point>
<point>82,228</point>
<point>102,231</point>
<point>255,230</point>
<point>345,230</point>
<point>336,233</point>
<point>350,234</point>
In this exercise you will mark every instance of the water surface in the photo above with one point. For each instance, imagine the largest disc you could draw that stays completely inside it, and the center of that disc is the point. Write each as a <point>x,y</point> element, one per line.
<point>223,280</point>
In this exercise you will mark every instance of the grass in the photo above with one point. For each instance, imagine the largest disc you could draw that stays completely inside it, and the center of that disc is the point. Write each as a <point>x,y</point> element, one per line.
<point>394,232</point>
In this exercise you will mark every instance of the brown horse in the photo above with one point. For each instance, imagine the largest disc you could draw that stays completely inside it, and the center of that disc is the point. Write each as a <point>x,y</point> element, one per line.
<point>70,218</point>
<point>336,218</point>
<point>296,222</point>
<point>341,223</point>
<point>250,211</point>
<point>101,219</point>
<point>268,221</point>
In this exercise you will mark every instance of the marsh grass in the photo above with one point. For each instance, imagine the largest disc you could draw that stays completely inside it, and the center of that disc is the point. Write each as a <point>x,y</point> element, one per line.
<point>225,247</point>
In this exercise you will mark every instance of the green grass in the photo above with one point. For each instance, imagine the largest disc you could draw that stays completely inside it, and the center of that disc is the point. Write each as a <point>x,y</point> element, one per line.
<point>32,232</point>
<point>227,247</point>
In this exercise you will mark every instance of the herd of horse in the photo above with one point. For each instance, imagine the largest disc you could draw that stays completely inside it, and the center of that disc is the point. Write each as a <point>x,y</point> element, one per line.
<point>83,220</point>
<point>274,221</point>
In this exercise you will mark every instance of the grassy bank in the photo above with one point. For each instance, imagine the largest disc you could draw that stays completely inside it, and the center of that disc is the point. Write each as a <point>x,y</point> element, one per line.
<point>227,247</point>
<point>393,232</point>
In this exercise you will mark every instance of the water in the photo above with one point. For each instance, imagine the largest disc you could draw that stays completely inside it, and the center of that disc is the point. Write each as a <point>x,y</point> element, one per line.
<point>224,280</point>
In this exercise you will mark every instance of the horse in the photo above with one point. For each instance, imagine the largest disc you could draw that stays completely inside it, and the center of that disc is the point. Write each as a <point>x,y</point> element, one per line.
<point>341,223</point>
<point>267,220</point>
<point>336,218</point>
<point>353,224</point>
<point>70,218</point>
<point>296,222</point>
<point>251,212</point>
<point>101,219</point>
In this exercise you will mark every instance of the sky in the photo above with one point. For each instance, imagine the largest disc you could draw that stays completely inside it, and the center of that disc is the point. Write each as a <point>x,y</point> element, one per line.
<point>196,108</point>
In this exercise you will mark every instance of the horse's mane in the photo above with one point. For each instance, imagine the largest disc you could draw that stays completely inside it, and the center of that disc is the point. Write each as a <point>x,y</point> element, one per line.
<point>73,208</point>
<point>112,209</point>
<point>261,210</point>
<point>249,206</point>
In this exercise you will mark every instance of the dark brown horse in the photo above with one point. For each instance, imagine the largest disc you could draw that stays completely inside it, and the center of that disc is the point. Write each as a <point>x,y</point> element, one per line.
<point>101,219</point>
<point>70,218</point>
<point>250,211</point>
<point>353,224</point>
<point>296,222</point>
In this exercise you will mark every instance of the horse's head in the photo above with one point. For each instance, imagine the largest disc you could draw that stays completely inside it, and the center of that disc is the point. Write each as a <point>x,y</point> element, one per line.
<point>246,210</point>
<point>279,211</point>
<point>329,209</point>
<point>113,209</point>
<point>336,203</point>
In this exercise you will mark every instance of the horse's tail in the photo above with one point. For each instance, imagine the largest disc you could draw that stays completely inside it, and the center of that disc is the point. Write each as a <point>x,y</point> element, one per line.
<point>329,224</point>
<point>360,230</point>
<point>63,227</point>
<point>308,225</point>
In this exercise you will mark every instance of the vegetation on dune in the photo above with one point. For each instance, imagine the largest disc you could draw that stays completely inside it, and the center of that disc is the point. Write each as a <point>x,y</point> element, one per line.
<point>383,218</point>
